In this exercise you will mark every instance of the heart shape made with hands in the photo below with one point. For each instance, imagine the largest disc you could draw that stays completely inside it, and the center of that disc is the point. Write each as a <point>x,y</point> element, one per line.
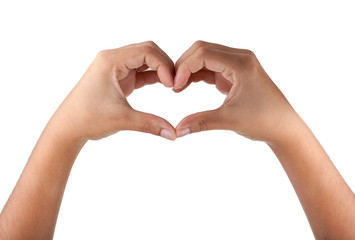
<point>253,104</point>
<point>174,107</point>
<point>208,62</point>
<point>205,75</point>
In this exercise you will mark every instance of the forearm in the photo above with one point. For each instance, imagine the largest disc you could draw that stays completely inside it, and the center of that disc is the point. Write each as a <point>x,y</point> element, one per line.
<point>32,209</point>
<point>326,199</point>
<point>96,108</point>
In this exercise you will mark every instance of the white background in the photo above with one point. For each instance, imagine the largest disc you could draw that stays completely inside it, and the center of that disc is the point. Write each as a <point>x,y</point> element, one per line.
<point>212,185</point>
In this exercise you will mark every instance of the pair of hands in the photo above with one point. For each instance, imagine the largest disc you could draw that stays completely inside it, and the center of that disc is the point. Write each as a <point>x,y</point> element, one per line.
<point>97,107</point>
<point>254,107</point>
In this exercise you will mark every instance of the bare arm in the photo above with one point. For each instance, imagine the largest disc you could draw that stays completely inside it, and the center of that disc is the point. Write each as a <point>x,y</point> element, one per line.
<point>96,108</point>
<point>256,109</point>
<point>32,210</point>
<point>325,197</point>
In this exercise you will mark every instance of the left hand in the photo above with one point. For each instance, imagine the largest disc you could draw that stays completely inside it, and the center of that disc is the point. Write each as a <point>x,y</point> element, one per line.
<point>254,106</point>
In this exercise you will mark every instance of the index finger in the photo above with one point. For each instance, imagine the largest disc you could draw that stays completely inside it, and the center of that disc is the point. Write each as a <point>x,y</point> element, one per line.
<point>135,56</point>
<point>212,59</point>
<point>155,47</point>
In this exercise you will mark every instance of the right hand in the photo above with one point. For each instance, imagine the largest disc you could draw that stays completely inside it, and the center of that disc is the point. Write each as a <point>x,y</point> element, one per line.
<point>254,106</point>
<point>97,107</point>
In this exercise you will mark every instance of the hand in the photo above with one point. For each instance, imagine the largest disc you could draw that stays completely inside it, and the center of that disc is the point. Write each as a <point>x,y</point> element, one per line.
<point>97,107</point>
<point>254,106</point>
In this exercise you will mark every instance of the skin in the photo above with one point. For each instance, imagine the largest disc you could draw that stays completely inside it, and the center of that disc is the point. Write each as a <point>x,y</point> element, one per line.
<point>94,109</point>
<point>254,107</point>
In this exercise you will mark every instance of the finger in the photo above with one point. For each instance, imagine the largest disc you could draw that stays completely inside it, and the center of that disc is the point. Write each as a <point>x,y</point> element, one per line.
<point>183,88</point>
<point>186,54</point>
<point>224,86</point>
<point>149,123</point>
<point>146,78</point>
<point>202,121</point>
<point>136,57</point>
<point>202,75</point>
<point>194,47</point>
<point>156,47</point>
<point>199,44</point>
<point>212,59</point>
<point>162,53</point>
<point>142,68</point>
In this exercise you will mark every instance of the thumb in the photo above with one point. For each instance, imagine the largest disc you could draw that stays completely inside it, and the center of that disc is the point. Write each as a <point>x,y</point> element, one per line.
<point>202,121</point>
<point>149,123</point>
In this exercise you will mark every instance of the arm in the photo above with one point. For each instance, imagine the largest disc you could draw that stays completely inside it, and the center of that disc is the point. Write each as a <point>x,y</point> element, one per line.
<point>31,212</point>
<point>256,108</point>
<point>95,108</point>
<point>326,199</point>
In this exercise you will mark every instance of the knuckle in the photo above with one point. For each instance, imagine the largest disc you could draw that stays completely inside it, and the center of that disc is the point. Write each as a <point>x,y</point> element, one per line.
<point>203,51</point>
<point>199,43</point>
<point>147,49</point>
<point>150,43</point>
<point>249,52</point>
<point>248,58</point>
<point>202,125</point>
<point>103,56</point>
<point>148,127</point>
<point>249,64</point>
<point>103,53</point>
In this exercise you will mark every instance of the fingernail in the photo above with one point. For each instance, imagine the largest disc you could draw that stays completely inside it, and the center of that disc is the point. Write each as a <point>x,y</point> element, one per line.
<point>177,88</point>
<point>175,81</point>
<point>168,134</point>
<point>171,83</point>
<point>183,132</point>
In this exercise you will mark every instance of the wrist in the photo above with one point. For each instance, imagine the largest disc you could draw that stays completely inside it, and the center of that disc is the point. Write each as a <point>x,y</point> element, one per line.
<point>290,129</point>
<point>61,133</point>
<point>62,125</point>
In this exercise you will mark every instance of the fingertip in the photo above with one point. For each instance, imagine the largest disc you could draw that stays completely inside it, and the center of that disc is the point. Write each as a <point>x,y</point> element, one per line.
<point>178,90</point>
<point>184,127</point>
<point>166,77</point>
<point>182,132</point>
<point>168,134</point>
<point>179,81</point>
<point>149,123</point>
<point>170,82</point>
<point>198,122</point>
